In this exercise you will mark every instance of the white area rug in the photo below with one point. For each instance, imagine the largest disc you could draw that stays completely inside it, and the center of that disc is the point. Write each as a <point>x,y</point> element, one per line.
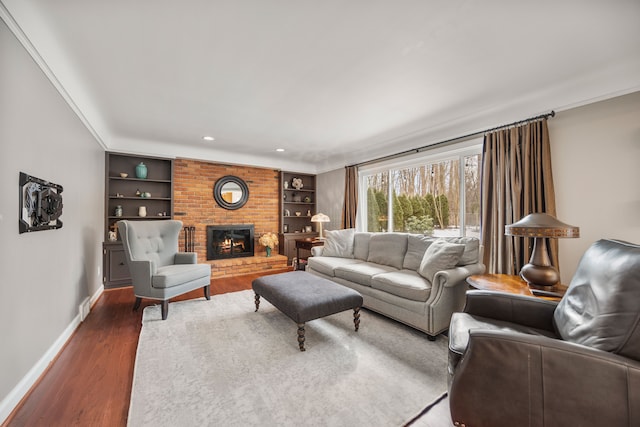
<point>219,363</point>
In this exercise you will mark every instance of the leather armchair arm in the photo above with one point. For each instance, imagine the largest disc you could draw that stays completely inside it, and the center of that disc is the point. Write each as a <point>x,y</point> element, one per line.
<point>521,309</point>
<point>186,258</point>
<point>507,378</point>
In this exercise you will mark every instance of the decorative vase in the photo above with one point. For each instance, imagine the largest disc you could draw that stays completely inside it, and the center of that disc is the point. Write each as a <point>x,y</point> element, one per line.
<point>286,185</point>
<point>119,210</point>
<point>268,251</point>
<point>141,171</point>
<point>142,211</point>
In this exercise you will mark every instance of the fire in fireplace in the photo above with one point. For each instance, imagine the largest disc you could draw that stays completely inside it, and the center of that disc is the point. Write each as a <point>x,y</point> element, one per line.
<point>229,241</point>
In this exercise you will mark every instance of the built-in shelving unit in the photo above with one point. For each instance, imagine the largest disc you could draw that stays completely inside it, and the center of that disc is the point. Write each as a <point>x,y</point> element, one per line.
<point>296,201</point>
<point>128,193</point>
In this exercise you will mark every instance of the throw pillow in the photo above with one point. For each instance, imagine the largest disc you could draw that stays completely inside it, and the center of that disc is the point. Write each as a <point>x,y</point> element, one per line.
<point>440,255</point>
<point>416,247</point>
<point>339,243</point>
<point>471,249</point>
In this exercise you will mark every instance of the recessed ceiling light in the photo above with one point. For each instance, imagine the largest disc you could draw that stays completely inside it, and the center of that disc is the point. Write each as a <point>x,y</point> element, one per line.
<point>208,138</point>
<point>280,150</point>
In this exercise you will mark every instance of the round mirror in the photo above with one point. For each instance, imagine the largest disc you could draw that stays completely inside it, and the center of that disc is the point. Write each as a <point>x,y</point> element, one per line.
<point>231,192</point>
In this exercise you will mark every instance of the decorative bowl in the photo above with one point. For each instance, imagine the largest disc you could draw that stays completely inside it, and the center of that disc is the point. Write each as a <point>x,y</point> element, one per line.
<point>298,213</point>
<point>123,175</point>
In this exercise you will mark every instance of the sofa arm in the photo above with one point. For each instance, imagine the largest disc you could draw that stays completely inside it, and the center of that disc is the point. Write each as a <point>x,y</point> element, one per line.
<point>456,275</point>
<point>507,378</point>
<point>186,258</point>
<point>521,309</point>
<point>317,250</point>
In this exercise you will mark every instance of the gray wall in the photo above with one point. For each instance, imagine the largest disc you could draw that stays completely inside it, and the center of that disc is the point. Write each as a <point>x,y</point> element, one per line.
<point>46,274</point>
<point>595,153</point>
<point>330,189</point>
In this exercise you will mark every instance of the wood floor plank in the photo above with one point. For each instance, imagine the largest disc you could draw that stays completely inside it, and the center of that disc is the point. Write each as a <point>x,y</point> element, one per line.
<point>89,382</point>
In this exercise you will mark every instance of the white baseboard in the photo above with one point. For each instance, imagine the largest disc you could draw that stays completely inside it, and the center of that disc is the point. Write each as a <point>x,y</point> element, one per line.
<point>8,404</point>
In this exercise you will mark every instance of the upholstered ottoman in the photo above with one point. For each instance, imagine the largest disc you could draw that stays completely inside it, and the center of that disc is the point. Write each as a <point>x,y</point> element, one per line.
<point>304,297</point>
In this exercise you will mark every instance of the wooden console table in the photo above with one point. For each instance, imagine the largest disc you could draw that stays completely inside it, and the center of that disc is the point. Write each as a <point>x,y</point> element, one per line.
<point>307,244</point>
<point>514,285</point>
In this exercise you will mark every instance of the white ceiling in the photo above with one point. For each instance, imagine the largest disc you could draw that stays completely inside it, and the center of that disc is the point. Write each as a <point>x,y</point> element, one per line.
<point>333,82</point>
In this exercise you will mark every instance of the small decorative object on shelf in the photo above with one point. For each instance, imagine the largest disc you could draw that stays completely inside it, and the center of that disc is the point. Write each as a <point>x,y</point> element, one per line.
<point>142,211</point>
<point>118,210</point>
<point>269,241</point>
<point>308,212</point>
<point>307,199</point>
<point>286,185</point>
<point>141,171</point>
<point>296,183</point>
<point>297,198</point>
<point>138,193</point>
<point>285,228</point>
<point>298,213</point>
<point>113,236</point>
<point>123,175</point>
<point>287,212</point>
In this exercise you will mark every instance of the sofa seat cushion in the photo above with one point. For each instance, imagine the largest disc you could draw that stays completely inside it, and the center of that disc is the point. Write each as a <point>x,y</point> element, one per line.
<point>327,264</point>
<point>404,283</point>
<point>179,274</point>
<point>362,272</point>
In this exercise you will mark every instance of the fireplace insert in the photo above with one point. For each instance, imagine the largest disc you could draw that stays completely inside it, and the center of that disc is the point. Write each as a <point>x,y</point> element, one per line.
<point>229,241</point>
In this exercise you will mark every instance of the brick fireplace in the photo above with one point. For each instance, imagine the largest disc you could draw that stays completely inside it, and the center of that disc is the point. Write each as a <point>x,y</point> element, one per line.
<point>229,241</point>
<point>194,206</point>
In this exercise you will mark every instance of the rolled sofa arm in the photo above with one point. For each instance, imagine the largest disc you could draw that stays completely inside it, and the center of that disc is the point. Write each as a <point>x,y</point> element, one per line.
<point>186,258</point>
<point>456,275</point>
<point>507,378</point>
<point>521,309</point>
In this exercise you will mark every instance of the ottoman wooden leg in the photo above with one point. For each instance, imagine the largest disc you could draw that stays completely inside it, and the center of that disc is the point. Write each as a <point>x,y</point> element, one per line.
<point>356,317</point>
<point>301,336</point>
<point>257,298</point>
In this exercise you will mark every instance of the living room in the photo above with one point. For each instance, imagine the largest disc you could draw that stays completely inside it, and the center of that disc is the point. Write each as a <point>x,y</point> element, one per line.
<point>49,129</point>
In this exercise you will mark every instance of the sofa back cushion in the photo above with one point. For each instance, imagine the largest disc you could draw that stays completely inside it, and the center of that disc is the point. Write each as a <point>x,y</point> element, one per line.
<point>361,245</point>
<point>339,243</point>
<point>600,308</point>
<point>440,255</point>
<point>417,245</point>
<point>388,249</point>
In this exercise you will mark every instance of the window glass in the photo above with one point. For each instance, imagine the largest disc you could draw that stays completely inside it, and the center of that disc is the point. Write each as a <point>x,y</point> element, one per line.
<point>437,195</point>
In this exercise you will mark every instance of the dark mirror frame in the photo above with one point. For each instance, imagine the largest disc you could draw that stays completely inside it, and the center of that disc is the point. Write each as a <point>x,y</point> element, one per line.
<point>217,192</point>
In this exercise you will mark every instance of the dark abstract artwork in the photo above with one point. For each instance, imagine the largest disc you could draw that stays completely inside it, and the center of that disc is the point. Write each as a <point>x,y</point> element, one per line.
<point>40,204</point>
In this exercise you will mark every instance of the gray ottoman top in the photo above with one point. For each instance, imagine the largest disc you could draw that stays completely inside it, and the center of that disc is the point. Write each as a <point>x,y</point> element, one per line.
<point>303,296</point>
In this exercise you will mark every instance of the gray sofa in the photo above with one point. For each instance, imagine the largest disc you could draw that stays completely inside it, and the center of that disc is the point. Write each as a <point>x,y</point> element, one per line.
<point>415,279</point>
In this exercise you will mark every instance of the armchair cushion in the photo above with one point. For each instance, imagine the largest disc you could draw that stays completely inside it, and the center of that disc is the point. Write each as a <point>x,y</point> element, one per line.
<point>600,308</point>
<point>179,274</point>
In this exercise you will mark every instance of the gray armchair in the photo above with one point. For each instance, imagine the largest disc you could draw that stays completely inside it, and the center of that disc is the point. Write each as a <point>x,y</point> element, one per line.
<point>158,270</point>
<point>517,360</point>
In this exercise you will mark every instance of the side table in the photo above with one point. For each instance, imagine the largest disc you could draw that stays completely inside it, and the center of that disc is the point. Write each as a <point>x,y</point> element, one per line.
<point>514,285</point>
<point>307,244</point>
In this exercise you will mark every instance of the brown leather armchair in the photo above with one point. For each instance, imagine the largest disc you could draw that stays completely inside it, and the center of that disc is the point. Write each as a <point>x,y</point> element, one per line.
<point>517,360</point>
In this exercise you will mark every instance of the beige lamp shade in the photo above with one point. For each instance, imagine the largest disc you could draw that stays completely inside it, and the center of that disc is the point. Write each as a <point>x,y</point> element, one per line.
<point>539,272</point>
<point>320,218</point>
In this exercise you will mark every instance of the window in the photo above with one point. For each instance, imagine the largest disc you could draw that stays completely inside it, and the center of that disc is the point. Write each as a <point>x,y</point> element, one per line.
<point>435,193</point>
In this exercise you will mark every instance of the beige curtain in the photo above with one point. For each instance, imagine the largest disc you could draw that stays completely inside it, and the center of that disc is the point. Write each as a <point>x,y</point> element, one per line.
<point>516,181</point>
<point>350,197</point>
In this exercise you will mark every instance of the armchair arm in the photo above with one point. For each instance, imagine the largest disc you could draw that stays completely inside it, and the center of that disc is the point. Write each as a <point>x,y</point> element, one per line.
<point>521,309</point>
<point>186,258</point>
<point>141,272</point>
<point>507,378</point>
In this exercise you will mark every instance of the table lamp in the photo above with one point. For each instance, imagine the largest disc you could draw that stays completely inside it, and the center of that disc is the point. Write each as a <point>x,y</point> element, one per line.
<point>320,218</point>
<point>540,226</point>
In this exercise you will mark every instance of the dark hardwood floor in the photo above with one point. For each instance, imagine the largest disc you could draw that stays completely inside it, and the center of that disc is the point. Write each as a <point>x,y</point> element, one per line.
<point>89,383</point>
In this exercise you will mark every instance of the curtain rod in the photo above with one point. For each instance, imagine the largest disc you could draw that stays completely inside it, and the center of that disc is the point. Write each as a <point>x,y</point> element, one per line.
<point>458,138</point>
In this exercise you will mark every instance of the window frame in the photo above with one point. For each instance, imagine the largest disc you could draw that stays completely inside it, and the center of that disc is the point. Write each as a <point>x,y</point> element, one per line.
<point>456,151</point>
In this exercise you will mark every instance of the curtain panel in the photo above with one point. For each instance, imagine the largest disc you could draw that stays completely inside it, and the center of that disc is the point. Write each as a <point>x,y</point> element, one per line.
<point>350,206</point>
<point>516,180</point>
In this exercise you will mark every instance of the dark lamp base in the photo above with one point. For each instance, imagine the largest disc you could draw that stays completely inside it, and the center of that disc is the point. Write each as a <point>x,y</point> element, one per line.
<point>540,276</point>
